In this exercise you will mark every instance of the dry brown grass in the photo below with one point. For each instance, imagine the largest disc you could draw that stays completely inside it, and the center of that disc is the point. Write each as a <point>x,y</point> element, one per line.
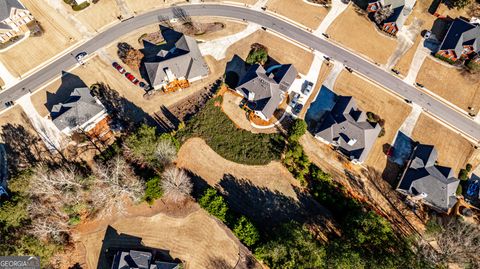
<point>404,64</point>
<point>371,97</point>
<point>453,150</point>
<point>141,6</point>
<point>196,156</point>
<point>15,116</point>
<point>356,32</point>
<point>196,238</point>
<point>59,34</point>
<point>456,86</point>
<point>299,11</point>
<point>98,15</point>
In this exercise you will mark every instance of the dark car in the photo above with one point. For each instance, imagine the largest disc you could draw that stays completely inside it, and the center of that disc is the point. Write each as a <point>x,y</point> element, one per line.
<point>396,71</point>
<point>142,84</point>
<point>308,88</point>
<point>296,110</point>
<point>80,57</point>
<point>349,69</point>
<point>129,76</point>
<point>118,67</point>
<point>419,85</point>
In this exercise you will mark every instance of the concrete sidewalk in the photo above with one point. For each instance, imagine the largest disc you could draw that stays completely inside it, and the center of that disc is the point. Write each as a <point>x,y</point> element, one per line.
<point>7,77</point>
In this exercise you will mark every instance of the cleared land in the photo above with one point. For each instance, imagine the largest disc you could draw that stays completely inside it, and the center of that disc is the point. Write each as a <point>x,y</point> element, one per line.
<point>456,86</point>
<point>98,15</point>
<point>453,150</point>
<point>372,98</point>
<point>58,35</point>
<point>299,11</point>
<point>356,32</point>
<point>198,239</point>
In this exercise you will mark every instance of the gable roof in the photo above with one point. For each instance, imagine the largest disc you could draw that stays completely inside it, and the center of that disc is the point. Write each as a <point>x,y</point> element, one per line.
<point>347,127</point>
<point>460,33</point>
<point>79,108</point>
<point>132,259</point>
<point>267,88</point>
<point>6,7</point>
<point>423,176</point>
<point>180,55</point>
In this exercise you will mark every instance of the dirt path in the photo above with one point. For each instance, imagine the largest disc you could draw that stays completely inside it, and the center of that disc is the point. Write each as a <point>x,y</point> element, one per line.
<point>268,194</point>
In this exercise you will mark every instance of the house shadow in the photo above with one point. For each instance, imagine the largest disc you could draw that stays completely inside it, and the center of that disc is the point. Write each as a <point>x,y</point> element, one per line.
<point>69,82</point>
<point>324,102</point>
<point>398,155</point>
<point>113,242</point>
<point>234,71</point>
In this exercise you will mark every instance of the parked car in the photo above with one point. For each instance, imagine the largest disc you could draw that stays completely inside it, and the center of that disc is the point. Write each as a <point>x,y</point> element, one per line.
<point>118,67</point>
<point>396,71</point>
<point>419,85</point>
<point>142,84</point>
<point>326,35</point>
<point>349,69</point>
<point>9,103</point>
<point>80,57</point>
<point>132,78</point>
<point>135,81</point>
<point>296,110</point>
<point>295,98</point>
<point>308,87</point>
<point>408,101</point>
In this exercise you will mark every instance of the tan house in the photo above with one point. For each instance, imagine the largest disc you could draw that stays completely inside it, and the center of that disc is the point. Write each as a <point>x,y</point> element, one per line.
<point>13,19</point>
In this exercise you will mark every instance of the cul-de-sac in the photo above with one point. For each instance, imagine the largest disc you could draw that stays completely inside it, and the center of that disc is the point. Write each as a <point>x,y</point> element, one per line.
<point>240,134</point>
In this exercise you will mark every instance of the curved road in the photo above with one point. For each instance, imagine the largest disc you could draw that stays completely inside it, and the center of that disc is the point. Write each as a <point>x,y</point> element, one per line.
<point>454,118</point>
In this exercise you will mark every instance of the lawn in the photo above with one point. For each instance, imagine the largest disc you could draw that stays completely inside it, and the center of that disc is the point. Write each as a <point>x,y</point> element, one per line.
<point>299,11</point>
<point>230,142</point>
<point>358,33</point>
<point>455,85</point>
<point>99,15</point>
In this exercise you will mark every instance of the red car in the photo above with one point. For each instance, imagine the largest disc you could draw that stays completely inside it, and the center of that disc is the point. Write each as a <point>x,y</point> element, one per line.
<point>118,67</point>
<point>132,78</point>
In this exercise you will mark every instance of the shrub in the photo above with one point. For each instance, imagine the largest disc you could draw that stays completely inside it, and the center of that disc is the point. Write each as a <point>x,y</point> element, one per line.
<point>443,58</point>
<point>468,167</point>
<point>214,204</point>
<point>246,231</point>
<point>81,6</point>
<point>153,191</point>
<point>142,144</point>
<point>258,54</point>
<point>459,190</point>
<point>297,130</point>
<point>74,220</point>
<point>463,174</point>
<point>297,162</point>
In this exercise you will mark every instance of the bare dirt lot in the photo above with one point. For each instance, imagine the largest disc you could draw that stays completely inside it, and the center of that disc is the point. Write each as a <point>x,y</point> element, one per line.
<point>299,11</point>
<point>453,150</point>
<point>58,35</point>
<point>98,15</point>
<point>359,34</point>
<point>371,97</point>
<point>192,236</point>
<point>456,86</point>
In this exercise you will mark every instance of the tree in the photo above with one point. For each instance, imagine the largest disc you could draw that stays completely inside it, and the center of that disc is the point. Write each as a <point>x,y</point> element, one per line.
<point>382,14</point>
<point>473,65</point>
<point>246,231</point>
<point>133,58</point>
<point>142,145</point>
<point>153,190</point>
<point>214,204</point>
<point>297,130</point>
<point>165,152</point>
<point>176,184</point>
<point>114,185</point>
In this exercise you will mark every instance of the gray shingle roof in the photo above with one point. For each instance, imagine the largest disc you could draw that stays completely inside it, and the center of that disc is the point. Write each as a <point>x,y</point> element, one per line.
<point>132,259</point>
<point>80,107</point>
<point>460,33</point>
<point>6,6</point>
<point>346,126</point>
<point>180,55</point>
<point>423,176</point>
<point>268,89</point>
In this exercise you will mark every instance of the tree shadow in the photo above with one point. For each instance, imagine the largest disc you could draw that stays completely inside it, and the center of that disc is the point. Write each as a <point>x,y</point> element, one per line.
<point>123,111</point>
<point>166,120</point>
<point>23,148</point>
<point>113,242</point>
<point>69,82</point>
<point>268,207</point>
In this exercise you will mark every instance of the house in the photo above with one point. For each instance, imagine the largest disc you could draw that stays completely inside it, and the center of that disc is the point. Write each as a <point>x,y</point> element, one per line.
<point>178,60</point>
<point>348,130</point>
<point>400,11</point>
<point>264,90</point>
<point>461,42</point>
<point>81,112</point>
<point>13,19</point>
<point>424,180</point>
<point>134,259</point>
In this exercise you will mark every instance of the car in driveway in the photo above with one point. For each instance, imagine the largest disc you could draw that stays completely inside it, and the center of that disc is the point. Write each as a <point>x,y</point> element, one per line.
<point>297,109</point>
<point>307,87</point>
<point>118,67</point>
<point>132,78</point>
<point>79,57</point>
<point>295,98</point>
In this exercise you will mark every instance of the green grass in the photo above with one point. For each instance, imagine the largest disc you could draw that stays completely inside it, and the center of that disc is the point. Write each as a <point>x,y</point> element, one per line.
<point>232,143</point>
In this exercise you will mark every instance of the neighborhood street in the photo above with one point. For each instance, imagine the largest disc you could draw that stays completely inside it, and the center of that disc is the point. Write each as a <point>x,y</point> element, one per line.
<point>375,73</point>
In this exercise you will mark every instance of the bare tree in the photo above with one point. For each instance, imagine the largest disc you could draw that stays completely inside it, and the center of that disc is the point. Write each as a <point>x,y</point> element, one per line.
<point>165,152</point>
<point>382,14</point>
<point>114,185</point>
<point>48,220</point>
<point>176,184</point>
<point>474,9</point>
<point>182,16</point>
<point>457,241</point>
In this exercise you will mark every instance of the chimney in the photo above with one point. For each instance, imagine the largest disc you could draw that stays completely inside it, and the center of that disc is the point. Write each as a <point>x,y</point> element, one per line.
<point>251,96</point>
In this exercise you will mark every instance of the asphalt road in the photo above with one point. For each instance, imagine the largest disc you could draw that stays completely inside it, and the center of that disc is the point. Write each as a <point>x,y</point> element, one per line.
<point>460,121</point>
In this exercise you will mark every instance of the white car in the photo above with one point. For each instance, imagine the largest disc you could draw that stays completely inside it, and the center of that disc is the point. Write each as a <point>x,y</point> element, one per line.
<point>80,57</point>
